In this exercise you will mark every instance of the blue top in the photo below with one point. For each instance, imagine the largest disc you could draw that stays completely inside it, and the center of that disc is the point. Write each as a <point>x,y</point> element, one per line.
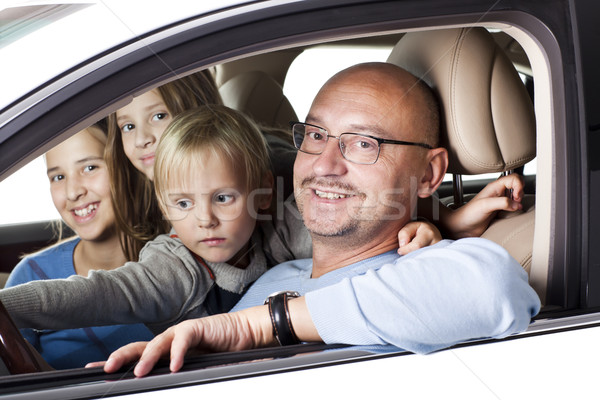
<point>70,348</point>
<point>430,299</point>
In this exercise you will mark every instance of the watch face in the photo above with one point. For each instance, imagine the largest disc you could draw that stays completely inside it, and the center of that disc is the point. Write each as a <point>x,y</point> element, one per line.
<point>290,293</point>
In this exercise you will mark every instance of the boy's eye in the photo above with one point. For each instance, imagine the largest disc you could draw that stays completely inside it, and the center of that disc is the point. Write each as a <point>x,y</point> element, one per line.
<point>127,127</point>
<point>184,204</point>
<point>315,136</point>
<point>159,116</point>
<point>224,198</point>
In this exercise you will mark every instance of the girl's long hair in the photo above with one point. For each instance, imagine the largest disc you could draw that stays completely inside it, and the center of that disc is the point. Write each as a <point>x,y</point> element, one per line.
<point>136,207</point>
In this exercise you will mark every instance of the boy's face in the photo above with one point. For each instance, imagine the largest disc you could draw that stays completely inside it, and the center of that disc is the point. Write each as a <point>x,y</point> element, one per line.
<point>212,212</point>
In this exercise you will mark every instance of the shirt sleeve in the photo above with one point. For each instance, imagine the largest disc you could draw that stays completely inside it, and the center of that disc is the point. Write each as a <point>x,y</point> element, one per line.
<point>468,289</point>
<point>160,288</point>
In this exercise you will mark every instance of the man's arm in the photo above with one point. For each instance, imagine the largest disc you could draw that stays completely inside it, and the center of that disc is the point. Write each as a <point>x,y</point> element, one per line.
<point>436,298</point>
<point>448,294</point>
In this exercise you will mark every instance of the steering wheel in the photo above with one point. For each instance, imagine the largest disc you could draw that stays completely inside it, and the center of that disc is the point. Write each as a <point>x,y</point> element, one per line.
<point>16,353</point>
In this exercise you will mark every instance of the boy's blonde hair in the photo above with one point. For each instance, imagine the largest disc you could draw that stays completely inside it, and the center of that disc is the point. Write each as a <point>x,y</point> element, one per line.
<point>211,130</point>
<point>137,211</point>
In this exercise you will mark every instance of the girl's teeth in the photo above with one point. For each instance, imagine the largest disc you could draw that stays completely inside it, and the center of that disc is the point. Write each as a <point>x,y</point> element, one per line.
<point>329,195</point>
<point>84,212</point>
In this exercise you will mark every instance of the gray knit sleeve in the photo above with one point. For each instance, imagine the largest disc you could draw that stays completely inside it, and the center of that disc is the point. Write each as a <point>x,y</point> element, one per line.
<point>284,235</point>
<point>161,288</point>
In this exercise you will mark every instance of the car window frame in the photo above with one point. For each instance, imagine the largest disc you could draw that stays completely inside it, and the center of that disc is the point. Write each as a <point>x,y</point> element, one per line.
<point>81,91</point>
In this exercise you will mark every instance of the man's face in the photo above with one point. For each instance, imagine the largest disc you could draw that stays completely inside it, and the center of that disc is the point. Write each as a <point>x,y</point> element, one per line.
<point>338,198</point>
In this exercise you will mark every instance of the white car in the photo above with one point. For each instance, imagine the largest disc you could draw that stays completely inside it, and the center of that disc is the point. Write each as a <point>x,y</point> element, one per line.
<point>65,65</point>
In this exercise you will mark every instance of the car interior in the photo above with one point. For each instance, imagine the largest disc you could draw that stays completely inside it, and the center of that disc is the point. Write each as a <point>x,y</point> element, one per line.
<point>484,84</point>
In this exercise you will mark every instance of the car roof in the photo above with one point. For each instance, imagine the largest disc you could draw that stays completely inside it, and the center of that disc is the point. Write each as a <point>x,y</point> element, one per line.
<point>61,35</point>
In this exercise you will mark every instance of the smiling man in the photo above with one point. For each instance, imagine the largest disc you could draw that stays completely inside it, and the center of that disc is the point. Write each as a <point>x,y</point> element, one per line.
<point>367,152</point>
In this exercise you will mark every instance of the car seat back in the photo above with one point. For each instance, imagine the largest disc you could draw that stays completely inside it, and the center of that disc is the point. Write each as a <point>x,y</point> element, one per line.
<point>488,121</point>
<point>259,96</point>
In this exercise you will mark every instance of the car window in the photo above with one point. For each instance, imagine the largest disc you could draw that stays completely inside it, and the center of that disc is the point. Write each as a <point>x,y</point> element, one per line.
<point>329,60</point>
<point>25,195</point>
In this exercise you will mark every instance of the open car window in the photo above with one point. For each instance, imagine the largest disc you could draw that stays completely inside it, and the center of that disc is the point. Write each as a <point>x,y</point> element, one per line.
<point>246,37</point>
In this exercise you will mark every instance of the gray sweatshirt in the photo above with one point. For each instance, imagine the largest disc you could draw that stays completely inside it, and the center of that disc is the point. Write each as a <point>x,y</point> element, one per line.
<point>166,286</point>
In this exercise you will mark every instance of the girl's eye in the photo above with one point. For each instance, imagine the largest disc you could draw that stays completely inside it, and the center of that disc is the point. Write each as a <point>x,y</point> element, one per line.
<point>224,198</point>
<point>57,178</point>
<point>127,127</point>
<point>89,168</point>
<point>159,116</point>
<point>184,204</point>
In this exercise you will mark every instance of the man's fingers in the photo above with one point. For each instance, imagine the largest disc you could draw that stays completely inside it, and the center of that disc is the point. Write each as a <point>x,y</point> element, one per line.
<point>95,364</point>
<point>185,339</point>
<point>159,346</point>
<point>125,355</point>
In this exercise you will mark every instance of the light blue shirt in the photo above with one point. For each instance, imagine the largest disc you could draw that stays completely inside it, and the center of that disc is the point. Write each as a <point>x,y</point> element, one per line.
<point>427,300</point>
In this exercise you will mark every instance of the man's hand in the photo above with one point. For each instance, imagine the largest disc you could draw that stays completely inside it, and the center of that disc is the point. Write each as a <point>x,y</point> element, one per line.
<point>241,330</point>
<point>222,332</point>
<point>473,218</point>
<point>417,234</point>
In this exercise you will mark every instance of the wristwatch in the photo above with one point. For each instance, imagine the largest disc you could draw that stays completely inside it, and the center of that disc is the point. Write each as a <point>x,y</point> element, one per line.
<point>280,317</point>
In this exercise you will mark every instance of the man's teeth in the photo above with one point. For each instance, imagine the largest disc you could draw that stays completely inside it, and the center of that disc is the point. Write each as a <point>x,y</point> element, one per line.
<point>330,196</point>
<point>84,212</point>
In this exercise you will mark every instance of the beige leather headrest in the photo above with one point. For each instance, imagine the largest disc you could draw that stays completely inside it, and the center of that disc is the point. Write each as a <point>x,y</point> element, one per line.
<point>488,119</point>
<point>259,96</point>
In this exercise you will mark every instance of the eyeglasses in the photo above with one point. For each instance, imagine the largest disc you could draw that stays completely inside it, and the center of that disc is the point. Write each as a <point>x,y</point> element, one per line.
<point>355,147</point>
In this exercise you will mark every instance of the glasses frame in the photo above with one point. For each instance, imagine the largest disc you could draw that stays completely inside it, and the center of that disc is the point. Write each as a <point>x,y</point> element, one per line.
<point>379,141</point>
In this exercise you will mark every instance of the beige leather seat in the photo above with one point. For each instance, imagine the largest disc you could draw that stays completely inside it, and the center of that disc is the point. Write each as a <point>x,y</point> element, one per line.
<point>259,96</point>
<point>488,118</point>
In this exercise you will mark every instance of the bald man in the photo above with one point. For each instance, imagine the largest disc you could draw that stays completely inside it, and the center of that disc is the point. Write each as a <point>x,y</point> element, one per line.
<point>367,151</point>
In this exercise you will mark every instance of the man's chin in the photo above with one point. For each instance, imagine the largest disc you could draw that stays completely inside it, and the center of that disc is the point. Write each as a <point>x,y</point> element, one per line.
<point>331,230</point>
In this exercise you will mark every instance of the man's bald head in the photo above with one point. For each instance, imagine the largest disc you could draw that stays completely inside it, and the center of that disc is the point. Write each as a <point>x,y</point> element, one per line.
<point>408,97</point>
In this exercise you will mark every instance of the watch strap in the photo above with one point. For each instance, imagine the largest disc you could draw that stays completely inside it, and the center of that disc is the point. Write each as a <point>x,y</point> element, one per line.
<point>280,317</point>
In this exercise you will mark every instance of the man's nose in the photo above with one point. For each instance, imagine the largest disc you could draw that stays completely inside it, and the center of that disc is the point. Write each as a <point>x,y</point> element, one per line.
<point>75,188</point>
<point>330,161</point>
<point>144,136</point>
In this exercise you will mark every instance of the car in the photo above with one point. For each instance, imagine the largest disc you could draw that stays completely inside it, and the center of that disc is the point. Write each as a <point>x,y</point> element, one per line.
<point>66,65</point>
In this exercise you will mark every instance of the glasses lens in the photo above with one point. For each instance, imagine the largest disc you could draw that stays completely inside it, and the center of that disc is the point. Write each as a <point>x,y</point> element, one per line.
<point>309,139</point>
<point>358,148</point>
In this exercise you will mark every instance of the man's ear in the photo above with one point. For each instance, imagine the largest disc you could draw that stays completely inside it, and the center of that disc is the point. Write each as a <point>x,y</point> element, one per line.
<point>264,201</point>
<point>435,171</point>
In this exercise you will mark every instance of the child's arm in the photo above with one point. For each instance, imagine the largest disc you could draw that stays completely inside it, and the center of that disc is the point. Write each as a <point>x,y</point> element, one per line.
<point>473,218</point>
<point>417,234</point>
<point>158,291</point>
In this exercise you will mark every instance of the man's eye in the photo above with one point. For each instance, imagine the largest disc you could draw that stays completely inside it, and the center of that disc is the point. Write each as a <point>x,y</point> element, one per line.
<point>224,198</point>
<point>360,143</point>
<point>365,145</point>
<point>127,127</point>
<point>159,116</point>
<point>184,204</point>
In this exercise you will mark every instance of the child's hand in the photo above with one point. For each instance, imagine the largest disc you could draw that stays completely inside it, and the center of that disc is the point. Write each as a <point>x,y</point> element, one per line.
<point>415,235</point>
<point>473,218</point>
